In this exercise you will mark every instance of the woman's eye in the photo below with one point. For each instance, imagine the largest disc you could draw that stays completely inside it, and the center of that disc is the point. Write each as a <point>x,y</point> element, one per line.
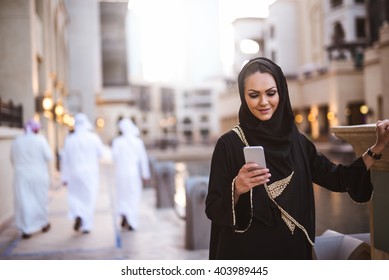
<point>253,95</point>
<point>271,93</point>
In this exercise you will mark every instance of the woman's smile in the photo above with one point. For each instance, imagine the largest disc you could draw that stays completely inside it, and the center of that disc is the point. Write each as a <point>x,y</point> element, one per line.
<point>264,111</point>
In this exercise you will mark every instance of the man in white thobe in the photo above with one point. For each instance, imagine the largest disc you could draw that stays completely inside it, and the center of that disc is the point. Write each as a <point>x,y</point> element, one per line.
<point>80,172</point>
<point>131,167</point>
<point>30,155</point>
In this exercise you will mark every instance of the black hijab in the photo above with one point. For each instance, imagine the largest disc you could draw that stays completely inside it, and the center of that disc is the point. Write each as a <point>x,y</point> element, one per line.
<point>275,134</point>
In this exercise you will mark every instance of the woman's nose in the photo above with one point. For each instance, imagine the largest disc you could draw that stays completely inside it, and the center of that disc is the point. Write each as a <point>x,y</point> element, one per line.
<point>263,100</point>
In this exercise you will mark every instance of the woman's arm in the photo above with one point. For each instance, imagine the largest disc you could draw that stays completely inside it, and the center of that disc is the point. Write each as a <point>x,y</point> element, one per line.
<point>352,178</point>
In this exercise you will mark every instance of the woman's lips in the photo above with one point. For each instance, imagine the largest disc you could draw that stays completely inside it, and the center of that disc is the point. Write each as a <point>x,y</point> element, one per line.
<point>264,111</point>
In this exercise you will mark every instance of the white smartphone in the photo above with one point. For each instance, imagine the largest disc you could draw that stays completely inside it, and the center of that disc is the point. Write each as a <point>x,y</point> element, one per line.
<point>255,154</point>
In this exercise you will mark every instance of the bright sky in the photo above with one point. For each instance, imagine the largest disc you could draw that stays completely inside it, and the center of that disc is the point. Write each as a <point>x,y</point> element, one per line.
<point>169,43</point>
<point>232,9</point>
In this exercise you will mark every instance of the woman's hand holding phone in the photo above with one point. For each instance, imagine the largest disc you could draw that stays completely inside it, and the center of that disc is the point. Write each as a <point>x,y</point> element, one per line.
<point>253,173</point>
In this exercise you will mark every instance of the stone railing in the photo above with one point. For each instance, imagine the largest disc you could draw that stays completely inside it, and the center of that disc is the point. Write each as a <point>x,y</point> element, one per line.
<point>361,137</point>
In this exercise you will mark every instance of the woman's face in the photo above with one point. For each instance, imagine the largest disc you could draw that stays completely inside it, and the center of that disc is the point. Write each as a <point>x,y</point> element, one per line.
<point>261,95</point>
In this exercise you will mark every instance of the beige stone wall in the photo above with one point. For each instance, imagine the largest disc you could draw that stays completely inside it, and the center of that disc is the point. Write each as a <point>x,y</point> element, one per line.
<point>16,49</point>
<point>229,104</point>
<point>384,58</point>
<point>349,87</point>
<point>34,62</point>
<point>295,96</point>
<point>7,135</point>
<point>311,26</point>
<point>372,85</point>
<point>85,73</point>
<point>376,83</point>
<point>315,90</point>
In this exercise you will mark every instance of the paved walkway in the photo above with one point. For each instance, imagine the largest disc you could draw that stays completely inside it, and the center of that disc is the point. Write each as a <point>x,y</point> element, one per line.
<point>161,235</point>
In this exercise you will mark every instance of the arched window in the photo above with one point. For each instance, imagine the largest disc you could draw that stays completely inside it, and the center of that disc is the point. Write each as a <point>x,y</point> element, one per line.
<point>338,33</point>
<point>336,3</point>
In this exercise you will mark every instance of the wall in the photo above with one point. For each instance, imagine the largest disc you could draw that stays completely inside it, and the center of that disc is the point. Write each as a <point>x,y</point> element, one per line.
<point>372,82</point>
<point>286,33</point>
<point>376,68</point>
<point>85,75</point>
<point>6,174</point>
<point>16,54</point>
<point>384,58</point>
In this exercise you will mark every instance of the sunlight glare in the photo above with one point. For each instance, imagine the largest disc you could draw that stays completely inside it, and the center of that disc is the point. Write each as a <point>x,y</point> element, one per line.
<point>163,28</point>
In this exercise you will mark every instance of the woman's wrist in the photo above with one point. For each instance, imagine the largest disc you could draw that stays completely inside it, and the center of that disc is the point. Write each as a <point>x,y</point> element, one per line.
<point>373,155</point>
<point>377,149</point>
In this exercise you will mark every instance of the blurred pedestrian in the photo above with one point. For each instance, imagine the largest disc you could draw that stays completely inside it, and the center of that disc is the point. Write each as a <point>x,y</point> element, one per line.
<point>30,155</point>
<point>131,167</point>
<point>80,172</point>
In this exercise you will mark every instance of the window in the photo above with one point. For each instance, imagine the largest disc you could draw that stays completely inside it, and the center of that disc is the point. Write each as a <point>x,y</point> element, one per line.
<point>336,3</point>
<point>380,107</point>
<point>338,33</point>
<point>273,56</point>
<point>167,100</point>
<point>360,28</point>
<point>204,118</point>
<point>204,92</point>
<point>144,98</point>
<point>272,31</point>
<point>202,105</point>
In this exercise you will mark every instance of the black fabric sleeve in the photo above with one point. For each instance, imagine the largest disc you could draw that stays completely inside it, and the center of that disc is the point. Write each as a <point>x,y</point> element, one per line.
<point>225,165</point>
<point>353,178</point>
<point>218,204</point>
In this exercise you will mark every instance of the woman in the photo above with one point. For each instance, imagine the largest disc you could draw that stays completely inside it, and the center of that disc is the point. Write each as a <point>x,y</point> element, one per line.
<point>269,213</point>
